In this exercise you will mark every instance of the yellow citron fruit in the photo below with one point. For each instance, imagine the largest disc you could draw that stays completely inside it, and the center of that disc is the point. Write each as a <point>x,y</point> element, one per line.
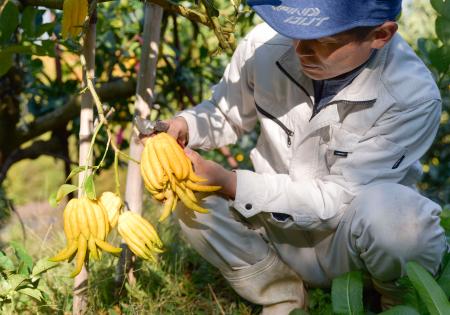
<point>113,206</point>
<point>168,175</point>
<point>74,15</point>
<point>86,227</point>
<point>140,236</point>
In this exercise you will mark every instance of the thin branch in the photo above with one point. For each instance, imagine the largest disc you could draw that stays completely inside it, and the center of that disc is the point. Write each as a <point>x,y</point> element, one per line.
<point>103,120</point>
<point>22,225</point>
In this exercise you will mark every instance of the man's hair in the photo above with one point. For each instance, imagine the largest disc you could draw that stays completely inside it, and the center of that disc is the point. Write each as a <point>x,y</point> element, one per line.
<point>360,33</point>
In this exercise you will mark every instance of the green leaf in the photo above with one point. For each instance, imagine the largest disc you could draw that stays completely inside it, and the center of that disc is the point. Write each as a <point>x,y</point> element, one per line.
<point>9,20</point>
<point>46,48</point>
<point>26,262</point>
<point>17,49</point>
<point>401,310</point>
<point>6,263</point>
<point>34,293</point>
<point>429,291</point>
<point>346,294</point>
<point>210,9</point>
<point>89,187</point>
<point>6,62</point>
<point>43,265</point>
<point>442,7</point>
<point>15,280</point>
<point>445,219</point>
<point>64,190</point>
<point>52,200</point>
<point>76,171</point>
<point>444,279</point>
<point>45,28</point>
<point>443,29</point>
<point>409,295</point>
<point>4,287</point>
<point>28,21</point>
<point>440,58</point>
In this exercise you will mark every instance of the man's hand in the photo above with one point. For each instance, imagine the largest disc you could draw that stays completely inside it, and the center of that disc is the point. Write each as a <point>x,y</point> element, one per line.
<point>178,129</point>
<point>215,173</point>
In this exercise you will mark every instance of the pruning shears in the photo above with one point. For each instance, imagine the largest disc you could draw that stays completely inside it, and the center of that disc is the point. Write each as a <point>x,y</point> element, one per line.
<point>147,127</point>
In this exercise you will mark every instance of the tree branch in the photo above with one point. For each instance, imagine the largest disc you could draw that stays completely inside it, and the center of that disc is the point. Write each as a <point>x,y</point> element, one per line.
<point>62,115</point>
<point>52,147</point>
<point>167,5</point>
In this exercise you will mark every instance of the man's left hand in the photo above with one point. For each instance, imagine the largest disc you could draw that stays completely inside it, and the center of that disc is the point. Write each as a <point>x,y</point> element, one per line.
<point>215,173</point>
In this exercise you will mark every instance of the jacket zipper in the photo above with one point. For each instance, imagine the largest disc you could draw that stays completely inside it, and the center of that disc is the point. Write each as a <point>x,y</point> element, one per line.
<point>288,131</point>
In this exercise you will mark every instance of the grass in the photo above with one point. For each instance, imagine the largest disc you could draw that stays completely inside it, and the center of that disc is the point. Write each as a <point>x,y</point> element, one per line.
<point>181,283</point>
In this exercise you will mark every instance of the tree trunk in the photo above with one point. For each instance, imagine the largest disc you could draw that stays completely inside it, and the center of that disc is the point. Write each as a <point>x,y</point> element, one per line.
<point>80,297</point>
<point>143,103</point>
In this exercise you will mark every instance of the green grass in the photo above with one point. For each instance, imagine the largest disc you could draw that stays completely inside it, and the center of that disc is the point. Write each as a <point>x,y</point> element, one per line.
<point>181,283</point>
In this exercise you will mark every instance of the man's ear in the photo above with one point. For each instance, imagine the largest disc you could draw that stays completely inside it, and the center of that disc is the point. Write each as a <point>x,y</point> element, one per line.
<point>383,34</point>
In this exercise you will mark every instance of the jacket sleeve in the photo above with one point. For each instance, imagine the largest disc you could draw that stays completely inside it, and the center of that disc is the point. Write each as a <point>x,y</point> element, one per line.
<point>230,111</point>
<point>386,153</point>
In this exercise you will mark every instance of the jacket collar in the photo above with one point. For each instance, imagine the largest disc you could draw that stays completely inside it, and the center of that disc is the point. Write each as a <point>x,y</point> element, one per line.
<point>290,65</point>
<point>362,92</point>
<point>363,89</point>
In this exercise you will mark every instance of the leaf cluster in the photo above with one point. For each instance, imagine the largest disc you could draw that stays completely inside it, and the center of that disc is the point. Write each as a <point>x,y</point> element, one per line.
<point>29,41</point>
<point>20,278</point>
<point>435,52</point>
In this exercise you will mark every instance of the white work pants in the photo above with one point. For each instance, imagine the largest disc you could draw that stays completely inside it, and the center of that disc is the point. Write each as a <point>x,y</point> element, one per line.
<point>264,260</point>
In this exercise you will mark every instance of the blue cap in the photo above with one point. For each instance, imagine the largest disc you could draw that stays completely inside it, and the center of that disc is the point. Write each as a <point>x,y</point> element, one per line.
<point>312,19</point>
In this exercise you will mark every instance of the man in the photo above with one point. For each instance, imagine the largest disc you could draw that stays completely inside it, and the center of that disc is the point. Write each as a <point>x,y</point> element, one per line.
<point>346,109</point>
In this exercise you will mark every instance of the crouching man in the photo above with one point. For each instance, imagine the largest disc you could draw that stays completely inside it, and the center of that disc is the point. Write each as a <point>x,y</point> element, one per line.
<point>346,109</point>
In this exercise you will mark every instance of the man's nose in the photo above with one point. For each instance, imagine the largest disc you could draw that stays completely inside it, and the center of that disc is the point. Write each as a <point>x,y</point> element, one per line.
<point>304,48</point>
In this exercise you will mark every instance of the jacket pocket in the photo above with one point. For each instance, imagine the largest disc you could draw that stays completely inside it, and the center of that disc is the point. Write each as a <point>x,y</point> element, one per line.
<point>339,148</point>
<point>375,158</point>
<point>289,132</point>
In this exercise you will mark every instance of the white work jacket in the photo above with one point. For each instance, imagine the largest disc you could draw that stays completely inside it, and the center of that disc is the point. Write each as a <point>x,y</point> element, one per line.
<point>374,130</point>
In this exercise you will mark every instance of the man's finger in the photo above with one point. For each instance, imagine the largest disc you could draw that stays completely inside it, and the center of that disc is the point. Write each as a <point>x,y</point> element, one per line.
<point>189,152</point>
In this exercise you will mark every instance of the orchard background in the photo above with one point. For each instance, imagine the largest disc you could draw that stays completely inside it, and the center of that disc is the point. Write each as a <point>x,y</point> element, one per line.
<point>41,94</point>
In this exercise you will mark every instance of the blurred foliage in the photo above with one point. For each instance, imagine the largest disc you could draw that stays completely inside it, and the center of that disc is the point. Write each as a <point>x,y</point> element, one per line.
<point>435,52</point>
<point>190,62</point>
<point>5,210</point>
<point>417,21</point>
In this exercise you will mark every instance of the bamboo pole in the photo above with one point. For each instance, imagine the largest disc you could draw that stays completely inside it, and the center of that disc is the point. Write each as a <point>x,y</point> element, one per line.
<point>80,298</point>
<point>143,104</point>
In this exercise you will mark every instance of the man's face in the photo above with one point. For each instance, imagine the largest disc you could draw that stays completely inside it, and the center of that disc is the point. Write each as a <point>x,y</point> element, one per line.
<point>329,57</point>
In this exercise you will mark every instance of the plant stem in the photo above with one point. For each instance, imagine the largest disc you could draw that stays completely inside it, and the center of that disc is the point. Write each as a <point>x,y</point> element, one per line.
<point>116,172</point>
<point>103,120</point>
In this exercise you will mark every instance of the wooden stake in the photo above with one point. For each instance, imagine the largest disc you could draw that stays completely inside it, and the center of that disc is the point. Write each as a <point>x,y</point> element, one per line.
<point>144,98</point>
<point>80,297</point>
